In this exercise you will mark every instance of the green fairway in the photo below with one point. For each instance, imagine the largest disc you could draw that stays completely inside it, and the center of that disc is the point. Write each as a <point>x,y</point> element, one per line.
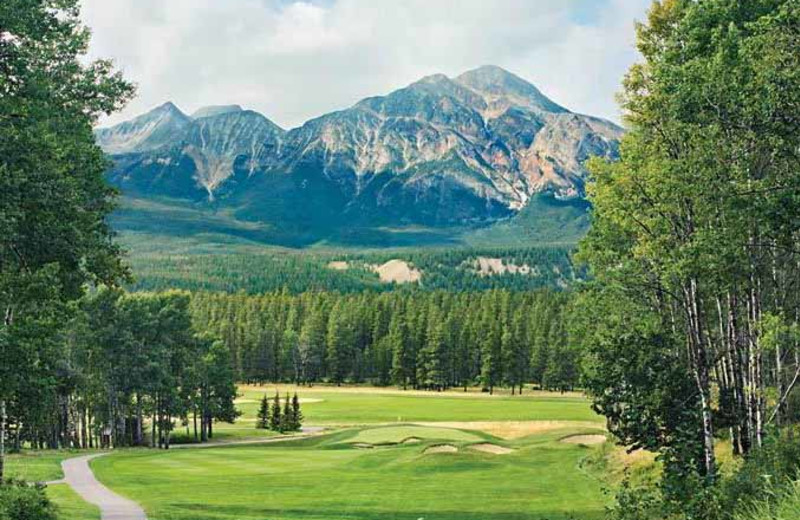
<point>324,479</point>
<point>327,405</point>
<point>70,505</point>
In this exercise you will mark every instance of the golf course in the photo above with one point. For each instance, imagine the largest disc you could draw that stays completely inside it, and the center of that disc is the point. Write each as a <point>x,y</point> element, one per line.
<point>366,453</point>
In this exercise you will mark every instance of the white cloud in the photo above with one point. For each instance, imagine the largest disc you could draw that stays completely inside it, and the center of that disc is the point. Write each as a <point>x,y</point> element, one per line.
<point>297,60</point>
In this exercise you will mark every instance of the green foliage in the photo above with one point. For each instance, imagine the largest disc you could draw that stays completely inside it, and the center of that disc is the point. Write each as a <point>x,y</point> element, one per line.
<point>262,419</point>
<point>431,340</point>
<point>19,501</point>
<point>297,414</point>
<point>256,269</point>
<point>276,418</point>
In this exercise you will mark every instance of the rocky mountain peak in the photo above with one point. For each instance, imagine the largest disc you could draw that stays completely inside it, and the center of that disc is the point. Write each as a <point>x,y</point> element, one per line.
<point>146,132</point>
<point>473,148</point>
<point>504,89</point>
<point>216,110</point>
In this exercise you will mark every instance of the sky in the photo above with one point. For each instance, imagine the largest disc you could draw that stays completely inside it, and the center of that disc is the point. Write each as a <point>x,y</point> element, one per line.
<point>294,60</point>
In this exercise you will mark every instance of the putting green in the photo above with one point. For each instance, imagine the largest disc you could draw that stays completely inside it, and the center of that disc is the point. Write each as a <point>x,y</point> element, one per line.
<point>323,479</point>
<point>398,434</point>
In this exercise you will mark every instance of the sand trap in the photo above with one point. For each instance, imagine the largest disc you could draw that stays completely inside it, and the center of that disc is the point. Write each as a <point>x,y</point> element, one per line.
<point>412,440</point>
<point>338,266</point>
<point>397,271</point>
<point>494,449</point>
<point>515,429</point>
<point>586,440</point>
<point>363,446</point>
<point>441,448</point>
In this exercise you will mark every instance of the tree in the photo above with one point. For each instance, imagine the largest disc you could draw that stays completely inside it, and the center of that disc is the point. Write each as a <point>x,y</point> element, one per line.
<point>276,419</point>
<point>55,200</point>
<point>695,233</point>
<point>297,414</point>
<point>402,360</point>
<point>287,420</point>
<point>262,419</point>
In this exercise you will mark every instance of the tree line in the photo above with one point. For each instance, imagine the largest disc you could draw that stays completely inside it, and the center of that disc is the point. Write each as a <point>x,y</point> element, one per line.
<point>427,340</point>
<point>259,272</point>
<point>692,318</point>
<point>123,371</point>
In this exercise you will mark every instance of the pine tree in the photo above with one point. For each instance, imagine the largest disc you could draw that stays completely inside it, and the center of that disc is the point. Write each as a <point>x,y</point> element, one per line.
<point>297,414</point>
<point>286,416</point>
<point>262,422</point>
<point>275,418</point>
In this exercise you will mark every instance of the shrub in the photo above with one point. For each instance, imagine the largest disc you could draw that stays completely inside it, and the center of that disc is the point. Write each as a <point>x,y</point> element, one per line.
<point>20,501</point>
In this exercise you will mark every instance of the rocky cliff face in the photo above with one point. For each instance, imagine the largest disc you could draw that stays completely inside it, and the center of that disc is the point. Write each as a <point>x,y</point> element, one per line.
<point>473,148</point>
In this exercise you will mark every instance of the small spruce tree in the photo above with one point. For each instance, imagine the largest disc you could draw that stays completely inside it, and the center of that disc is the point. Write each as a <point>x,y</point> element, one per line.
<point>275,418</point>
<point>262,422</point>
<point>297,414</point>
<point>286,417</point>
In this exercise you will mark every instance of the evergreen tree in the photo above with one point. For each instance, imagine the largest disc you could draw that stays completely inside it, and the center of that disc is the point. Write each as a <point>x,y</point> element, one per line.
<point>275,419</point>
<point>297,414</point>
<point>286,422</point>
<point>262,422</point>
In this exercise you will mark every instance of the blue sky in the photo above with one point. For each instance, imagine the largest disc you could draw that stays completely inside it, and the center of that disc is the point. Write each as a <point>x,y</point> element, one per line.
<point>293,60</point>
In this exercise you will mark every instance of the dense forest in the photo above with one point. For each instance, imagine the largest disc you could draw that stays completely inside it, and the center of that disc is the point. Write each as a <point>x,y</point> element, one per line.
<point>429,340</point>
<point>120,367</point>
<point>692,318</point>
<point>258,271</point>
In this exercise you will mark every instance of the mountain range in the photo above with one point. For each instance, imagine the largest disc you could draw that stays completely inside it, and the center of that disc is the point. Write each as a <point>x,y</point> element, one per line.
<point>440,154</point>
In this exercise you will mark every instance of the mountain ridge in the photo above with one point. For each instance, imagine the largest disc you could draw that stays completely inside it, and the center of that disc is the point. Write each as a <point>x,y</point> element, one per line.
<point>469,150</point>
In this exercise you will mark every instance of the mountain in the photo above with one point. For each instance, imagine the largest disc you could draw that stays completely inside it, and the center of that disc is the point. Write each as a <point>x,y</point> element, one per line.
<point>442,153</point>
<point>146,132</point>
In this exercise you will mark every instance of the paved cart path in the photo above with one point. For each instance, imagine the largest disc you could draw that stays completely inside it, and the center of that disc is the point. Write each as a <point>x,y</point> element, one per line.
<point>79,476</point>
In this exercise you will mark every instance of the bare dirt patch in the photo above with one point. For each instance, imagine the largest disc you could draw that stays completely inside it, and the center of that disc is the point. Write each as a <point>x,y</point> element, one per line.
<point>494,449</point>
<point>586,440</point>
<point>338,266</point>
<point>441,448</point>
<point>486,266</point>
<point>514,429</point>
<point>397,271</point>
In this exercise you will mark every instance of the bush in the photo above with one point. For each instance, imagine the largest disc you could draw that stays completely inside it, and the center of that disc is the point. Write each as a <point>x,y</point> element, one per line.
<point>766,471</point>
<point>20,501</point>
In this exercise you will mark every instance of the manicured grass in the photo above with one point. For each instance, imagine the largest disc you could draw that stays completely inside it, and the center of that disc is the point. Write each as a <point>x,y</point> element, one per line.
<point>70,505</point>
<point>324,479</point>
<point>397,434</point>
<point>371,406</point>
<point>38,466</point>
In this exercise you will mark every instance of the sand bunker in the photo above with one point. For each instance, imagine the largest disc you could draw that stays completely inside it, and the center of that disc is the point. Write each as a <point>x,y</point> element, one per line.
<point>586,440</point>
<point>411,440</point>
<point>441,448</point>
<point>514,429</point>
<point>494,449</point>
<point>363,446</point>
<point>397,271</point>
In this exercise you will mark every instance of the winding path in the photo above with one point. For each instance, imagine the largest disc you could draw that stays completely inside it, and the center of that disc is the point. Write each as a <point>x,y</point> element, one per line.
<point>79,476</point>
